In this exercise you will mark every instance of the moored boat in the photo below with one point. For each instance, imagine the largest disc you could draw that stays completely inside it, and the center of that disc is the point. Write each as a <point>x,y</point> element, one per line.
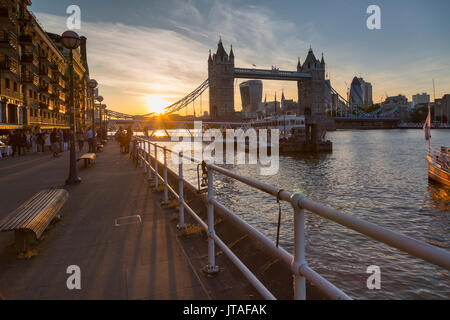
<point>439,165</point>
<point>438,160</point>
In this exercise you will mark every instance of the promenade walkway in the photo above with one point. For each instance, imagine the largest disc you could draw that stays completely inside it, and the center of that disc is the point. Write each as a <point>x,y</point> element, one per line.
<point>132,261</point>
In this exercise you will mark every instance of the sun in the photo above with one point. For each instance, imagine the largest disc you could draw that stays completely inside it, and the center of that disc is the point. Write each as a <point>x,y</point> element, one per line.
<point>156,103</point>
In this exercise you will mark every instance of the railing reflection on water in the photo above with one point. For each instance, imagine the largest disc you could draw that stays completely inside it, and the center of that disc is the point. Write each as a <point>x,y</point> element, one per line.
<point>299,267</point>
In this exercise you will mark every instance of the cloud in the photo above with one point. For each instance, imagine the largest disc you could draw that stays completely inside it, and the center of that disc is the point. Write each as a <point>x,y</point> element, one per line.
<point>139,60</point>
<point>131,62</point>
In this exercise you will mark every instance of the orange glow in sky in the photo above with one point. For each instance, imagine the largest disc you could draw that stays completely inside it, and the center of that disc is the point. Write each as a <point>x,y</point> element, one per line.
<point>156,103</point>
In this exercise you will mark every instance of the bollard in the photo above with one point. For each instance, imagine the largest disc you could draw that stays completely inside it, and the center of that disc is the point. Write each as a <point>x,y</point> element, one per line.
<point>211,267</point>
<point>166,189</point>
<point>181,224</point>
<point>299,249</point>
<point>156,168</point>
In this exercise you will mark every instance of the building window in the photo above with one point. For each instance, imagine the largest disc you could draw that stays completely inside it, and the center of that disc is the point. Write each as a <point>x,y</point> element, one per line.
<point>7,83</point>
<point>15,86</point>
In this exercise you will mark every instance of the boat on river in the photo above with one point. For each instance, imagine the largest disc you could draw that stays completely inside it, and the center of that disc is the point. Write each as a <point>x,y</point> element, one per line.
<point>439,165</point>
<point>438,160</point>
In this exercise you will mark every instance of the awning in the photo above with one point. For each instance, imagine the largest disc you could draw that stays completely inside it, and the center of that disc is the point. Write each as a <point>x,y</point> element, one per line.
<point>53,127</point>
<point>5,126</point>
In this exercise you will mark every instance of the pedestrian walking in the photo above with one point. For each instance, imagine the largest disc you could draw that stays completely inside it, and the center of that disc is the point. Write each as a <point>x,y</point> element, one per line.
<point>34,142</point>
<point>14,143</point>
<point>128,137</point>
<point>54,140</point>
<point>66,140</point>
<point>22,143</point>
<point>90,139</point>
<point>48,143</point>
<point>61,140</point>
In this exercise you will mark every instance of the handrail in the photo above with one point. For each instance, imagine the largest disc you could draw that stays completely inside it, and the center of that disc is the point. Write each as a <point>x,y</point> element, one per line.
<point>300,203</point>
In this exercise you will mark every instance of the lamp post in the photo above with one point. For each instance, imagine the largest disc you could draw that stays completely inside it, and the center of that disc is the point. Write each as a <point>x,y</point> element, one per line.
<point>99,99</point>
<point>93,84</point>
<point>103,122</point>
<point>71,41</point>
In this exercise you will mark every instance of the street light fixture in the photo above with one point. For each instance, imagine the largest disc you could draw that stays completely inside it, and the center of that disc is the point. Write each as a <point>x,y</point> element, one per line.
<point>71,41</point>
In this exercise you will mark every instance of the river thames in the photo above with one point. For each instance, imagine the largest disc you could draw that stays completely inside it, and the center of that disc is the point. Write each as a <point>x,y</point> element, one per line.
<point>379,176</point>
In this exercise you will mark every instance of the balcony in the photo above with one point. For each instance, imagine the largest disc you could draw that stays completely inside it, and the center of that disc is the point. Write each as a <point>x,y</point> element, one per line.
<point>28,58</point>
<point>8,40</point>
<point>9,64</point>
<point>6,17</point>
<point>44,58</point>
<point>25,17</point>
<point>27,78</point>
<point>30,78</point>
<point>55,79</point>
<point>26,39</point>
<point>44,74</point>
<point>54,66</point>
<point>43,87</point>
<point>55,94</point>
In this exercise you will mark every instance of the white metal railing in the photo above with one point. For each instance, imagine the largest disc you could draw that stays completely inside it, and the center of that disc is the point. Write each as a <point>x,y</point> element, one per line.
<point>299,203</point>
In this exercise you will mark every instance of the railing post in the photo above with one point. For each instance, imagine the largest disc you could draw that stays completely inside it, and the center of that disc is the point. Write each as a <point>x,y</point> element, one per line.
<point>181,224</point>
<point>299,248</point>
<point>156,168</point>
<point>211,267</point>
<point>140,154</point>
<point>144,155</point>
<point>149,160</point>
<point>166,189</point>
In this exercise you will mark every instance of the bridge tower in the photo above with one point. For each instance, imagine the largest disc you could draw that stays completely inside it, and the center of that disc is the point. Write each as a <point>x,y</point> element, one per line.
<point>311,92</point>
<point>221,87</point>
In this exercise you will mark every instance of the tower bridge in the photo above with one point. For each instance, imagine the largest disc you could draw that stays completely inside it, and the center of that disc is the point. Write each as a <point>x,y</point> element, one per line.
<point>274,74</point>
<point>316,96</point>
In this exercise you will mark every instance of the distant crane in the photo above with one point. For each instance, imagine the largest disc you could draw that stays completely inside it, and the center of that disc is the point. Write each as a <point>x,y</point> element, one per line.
<point>348,95</point>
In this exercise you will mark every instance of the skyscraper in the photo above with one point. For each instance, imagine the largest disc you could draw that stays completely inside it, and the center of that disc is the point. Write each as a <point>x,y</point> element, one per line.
<point>251,95</point>
<point>360,93</point>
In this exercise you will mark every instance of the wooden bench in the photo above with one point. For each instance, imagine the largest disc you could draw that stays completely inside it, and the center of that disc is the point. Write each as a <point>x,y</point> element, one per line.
<point>30,220</point>
<point>88,158</point>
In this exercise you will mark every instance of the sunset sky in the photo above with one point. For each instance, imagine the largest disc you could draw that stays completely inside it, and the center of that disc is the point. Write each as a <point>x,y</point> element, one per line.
<point>147,54</point>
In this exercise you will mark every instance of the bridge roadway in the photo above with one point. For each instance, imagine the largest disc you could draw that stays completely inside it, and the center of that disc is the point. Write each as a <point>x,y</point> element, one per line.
<point>134,261</point>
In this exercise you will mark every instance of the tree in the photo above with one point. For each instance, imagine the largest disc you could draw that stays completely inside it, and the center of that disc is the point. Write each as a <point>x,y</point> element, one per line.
<point>419,114</point>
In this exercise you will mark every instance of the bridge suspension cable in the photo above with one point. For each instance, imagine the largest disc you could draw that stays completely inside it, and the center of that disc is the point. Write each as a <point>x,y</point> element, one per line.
<point>355,111</point>
<point>177,106</point>
<point>180,104</point>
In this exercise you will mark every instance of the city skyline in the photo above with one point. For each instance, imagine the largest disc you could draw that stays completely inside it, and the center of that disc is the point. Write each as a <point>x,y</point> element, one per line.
<point>154,55</point>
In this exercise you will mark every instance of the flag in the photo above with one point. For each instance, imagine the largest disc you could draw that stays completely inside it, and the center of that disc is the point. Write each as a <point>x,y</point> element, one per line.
<point>427,125</point>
